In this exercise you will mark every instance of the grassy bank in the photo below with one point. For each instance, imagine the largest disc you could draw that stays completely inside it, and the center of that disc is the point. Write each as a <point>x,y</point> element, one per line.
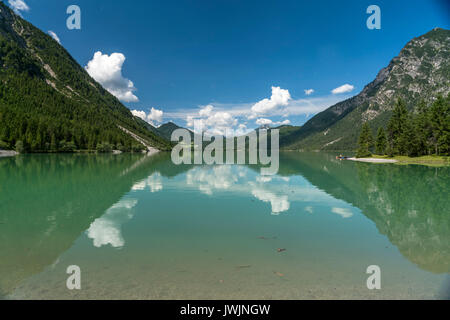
<point>424,160</point>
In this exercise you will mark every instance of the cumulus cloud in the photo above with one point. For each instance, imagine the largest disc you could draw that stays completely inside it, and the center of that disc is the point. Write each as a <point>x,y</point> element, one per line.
<point>268,122</point>
<point>263,122</point>
<point>206,111</point>
<point>18,6</point>
<point>107,70</point>
<point>238,113</point>
<point>280,98</point>
<point>213,122</point>
<point>343,89</point>
<point>154,117</point>
<point>54,36</point>
<point>139,114</point>
<point>297,107</point>
<point>283,123</point>
<point>309,92</point>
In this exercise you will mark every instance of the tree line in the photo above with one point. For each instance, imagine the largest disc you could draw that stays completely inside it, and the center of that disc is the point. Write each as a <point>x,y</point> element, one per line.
<point>423,131</point>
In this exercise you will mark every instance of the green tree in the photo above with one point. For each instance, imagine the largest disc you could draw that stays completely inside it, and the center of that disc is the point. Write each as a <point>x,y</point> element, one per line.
<point>67,146</point>
<point>365,141</point>
<point>422,128</point>
<point>381,143</point>
<point>3,145</point>
<point>408,139</point>
<point>440,125</point>
<point>20,148</point>
<point>396,128</point>
<point>104,147</point>
<point>137,148</point>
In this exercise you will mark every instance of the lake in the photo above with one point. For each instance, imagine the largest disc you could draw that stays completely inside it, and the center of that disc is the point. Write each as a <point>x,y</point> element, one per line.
<point>143,228</point>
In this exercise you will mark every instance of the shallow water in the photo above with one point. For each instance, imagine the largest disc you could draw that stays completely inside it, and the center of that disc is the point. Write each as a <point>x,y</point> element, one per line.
<point>142,228</point>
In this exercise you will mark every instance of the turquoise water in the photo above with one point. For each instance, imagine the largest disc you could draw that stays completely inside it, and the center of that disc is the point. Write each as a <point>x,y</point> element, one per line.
<point>142,228</point>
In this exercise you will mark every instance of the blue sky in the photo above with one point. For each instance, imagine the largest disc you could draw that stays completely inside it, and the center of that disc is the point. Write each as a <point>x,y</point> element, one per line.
<point>184,55</point>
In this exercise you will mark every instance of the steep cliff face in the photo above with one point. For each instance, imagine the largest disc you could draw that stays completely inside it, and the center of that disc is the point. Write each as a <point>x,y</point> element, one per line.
<point>47,98</point>
<point>420,71</point>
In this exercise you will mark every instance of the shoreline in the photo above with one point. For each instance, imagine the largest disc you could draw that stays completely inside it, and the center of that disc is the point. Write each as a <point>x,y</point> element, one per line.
<point>11,153</point>
<point>8,153</point>
<point>373,160</point>
<point>433,161</point>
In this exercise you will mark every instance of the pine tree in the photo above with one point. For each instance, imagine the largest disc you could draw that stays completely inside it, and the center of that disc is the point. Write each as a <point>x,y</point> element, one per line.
<point>396,128</point>
<point>408,139</point>
<point>380,145</point>
<point>365,142</point>
<point>422,127</point>
<point>440,125</point>
<point>20,147</point>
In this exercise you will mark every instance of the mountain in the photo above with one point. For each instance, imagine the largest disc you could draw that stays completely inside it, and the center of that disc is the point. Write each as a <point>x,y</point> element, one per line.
<point>286,130</point>
<point>48,102</point>
<point>167,129</point>
<point>420,71</point>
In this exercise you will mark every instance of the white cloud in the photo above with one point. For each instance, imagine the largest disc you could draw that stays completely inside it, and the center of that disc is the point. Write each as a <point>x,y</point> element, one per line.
<point>139,114</point>
<point>206,111</point>
<point>309,92</point>
<point>268,122</point>
<point>213,122</point>
<point>155,116</point>
<point>309,106</point>
<point>263,122</point>
<point>224,121</point>
<point>18,5</point>
<point>54,36</point>
<point>280,98</point>
<point>239,113</point>
<point>283,123</point>
<point>343,89</point>
<point>344,213</point>
<point>107,70</point>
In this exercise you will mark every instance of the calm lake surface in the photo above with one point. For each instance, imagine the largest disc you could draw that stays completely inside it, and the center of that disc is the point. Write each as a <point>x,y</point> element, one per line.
<point>142,228</point>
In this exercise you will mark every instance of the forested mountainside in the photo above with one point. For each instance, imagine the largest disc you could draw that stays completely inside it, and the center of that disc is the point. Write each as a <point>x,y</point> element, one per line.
<point>49,103</point>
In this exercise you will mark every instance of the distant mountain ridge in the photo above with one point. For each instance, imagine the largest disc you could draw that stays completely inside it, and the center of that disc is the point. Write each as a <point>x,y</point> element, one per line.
<point>49,103</point>
<point>168,128</point>
<point>420,71</point>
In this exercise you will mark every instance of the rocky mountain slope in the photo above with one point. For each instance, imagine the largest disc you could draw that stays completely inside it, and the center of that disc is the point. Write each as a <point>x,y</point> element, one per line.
<point>420,71</point>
